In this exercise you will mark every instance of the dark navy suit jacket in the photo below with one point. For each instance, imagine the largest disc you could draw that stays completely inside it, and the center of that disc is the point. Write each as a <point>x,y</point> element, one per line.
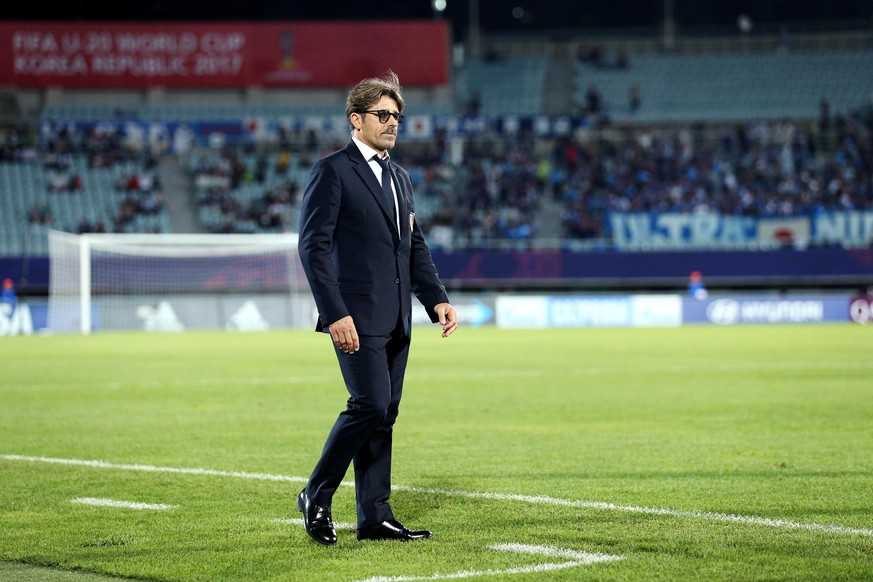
<point>354,259</point>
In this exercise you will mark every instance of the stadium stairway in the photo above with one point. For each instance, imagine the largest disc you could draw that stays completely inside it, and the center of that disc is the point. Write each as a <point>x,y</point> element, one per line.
<point>558,87</point>
<point>179,193</point>
<point>550,217</point>
<point>9,108</point>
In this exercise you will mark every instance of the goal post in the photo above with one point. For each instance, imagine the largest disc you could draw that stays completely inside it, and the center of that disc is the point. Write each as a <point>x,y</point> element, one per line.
<point>176,282</point>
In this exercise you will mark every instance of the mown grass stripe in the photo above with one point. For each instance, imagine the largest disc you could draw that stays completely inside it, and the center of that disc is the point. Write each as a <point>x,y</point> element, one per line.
<point>299,521</point>
<point>706,368</point>
<point>532,499</point>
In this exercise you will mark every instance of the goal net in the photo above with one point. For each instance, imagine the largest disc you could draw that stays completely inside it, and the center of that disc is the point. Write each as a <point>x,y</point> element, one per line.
<point>170,283</point>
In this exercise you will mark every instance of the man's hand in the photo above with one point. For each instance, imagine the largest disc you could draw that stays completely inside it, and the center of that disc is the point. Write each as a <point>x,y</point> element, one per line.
<point>448,318</point>
<point>344,335</point>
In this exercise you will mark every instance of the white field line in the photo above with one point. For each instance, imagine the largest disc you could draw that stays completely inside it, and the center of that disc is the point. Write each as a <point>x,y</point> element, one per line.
<point>154,469</point>
<point>701,515</point>
<point>475,573</point>
<point>299,521</point>
<point>578,559</point>
<point>531,499</point>
<point>99,502</point>
<point>553,552</point>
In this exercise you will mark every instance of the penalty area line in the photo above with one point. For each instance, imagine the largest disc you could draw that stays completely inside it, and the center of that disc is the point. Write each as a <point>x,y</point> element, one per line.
<point>530,499</point>
<point>577,558</point>
<point>553,552</point>
<point>550,567</point>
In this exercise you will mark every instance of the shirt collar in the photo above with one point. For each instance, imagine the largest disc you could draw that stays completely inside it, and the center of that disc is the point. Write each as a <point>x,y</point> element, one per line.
<point>367,151</point>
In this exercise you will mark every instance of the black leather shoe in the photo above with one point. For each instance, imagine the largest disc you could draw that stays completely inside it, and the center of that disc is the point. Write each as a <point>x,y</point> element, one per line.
<point>316,520</point>
<point>391,530</point>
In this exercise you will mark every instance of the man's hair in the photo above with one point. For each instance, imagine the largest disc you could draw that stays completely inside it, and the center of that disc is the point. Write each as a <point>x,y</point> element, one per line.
<point>369,91</point>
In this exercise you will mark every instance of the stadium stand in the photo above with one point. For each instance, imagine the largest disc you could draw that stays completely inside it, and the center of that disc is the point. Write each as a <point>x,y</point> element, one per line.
<point>727,87</point>
<point>247,193</point>
<point>761,169</point>
<point>503,85</point>
<point>765,133</point>
<point>75,183</point>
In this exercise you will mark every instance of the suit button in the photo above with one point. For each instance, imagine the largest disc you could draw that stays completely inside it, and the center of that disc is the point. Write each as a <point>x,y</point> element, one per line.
<point>397,253</point>
<point>397,281</point>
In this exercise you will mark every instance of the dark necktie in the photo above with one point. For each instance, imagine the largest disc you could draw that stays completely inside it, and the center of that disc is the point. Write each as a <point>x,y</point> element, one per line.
<point>386,183</point>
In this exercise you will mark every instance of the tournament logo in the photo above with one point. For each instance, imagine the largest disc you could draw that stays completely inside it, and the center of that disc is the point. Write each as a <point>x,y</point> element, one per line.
<point>286,40</point>
<point>288,69</point>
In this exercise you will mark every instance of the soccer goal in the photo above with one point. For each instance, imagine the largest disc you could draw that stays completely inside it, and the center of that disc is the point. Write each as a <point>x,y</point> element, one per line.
<point>171,283</point>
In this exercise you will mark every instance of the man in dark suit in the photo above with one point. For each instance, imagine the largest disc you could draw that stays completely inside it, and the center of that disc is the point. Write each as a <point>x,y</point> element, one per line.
<point>364,255</point>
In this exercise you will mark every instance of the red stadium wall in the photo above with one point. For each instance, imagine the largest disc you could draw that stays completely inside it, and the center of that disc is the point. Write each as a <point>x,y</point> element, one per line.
<point>181,55</point>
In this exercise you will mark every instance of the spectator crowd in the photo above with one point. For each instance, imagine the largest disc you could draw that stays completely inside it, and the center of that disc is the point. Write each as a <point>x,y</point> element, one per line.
<point>780,169</point>
<point>270,195</point>
<point>73,158</point>
<point>759,169</point>
<point>500,187</point>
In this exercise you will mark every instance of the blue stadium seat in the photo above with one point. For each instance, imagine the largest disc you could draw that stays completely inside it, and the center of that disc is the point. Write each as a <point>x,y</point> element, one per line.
<point>731,87</point>
<point>509,85</point>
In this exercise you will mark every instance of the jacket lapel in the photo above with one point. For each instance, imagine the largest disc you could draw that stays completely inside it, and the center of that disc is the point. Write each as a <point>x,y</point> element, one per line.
<point>362,168</point>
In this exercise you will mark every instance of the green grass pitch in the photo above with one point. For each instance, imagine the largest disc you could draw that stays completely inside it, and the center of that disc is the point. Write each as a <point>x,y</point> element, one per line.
<point>698,453</point>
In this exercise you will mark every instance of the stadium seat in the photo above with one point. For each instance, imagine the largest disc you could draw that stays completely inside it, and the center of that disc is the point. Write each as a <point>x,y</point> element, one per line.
<point>731,87</point>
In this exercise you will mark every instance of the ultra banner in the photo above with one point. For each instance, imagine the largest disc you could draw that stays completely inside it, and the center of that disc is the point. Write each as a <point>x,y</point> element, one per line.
<point>684,230</point>
<point>176,55</point>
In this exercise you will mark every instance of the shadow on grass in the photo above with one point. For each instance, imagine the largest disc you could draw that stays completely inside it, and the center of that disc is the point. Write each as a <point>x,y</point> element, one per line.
<point>15,572</point>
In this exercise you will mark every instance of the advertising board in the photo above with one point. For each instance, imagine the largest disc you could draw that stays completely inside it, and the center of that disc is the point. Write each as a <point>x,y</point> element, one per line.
<point>738,310</point>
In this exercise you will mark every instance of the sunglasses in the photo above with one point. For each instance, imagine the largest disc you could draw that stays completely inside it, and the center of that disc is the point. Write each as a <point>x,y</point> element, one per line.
<point>384,114</point>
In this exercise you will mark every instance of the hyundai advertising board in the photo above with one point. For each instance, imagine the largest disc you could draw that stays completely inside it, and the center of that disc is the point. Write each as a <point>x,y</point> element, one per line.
<point>861,309</point>
<point>739,310</point>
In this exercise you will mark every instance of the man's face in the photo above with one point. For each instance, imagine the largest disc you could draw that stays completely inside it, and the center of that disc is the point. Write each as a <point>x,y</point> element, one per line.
<point>379,136</point>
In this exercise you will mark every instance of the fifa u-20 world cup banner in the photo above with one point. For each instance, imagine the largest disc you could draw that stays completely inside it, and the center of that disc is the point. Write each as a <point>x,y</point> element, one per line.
<point>178,55</point>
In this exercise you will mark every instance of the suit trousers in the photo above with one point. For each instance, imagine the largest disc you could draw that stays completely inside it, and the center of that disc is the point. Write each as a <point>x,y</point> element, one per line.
<point>362,433</point>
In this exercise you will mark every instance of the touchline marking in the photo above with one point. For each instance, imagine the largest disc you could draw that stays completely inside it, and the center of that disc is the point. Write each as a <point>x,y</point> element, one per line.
<point>533,499</point>
<point>578,559</point>
<point>155,469</point>
<point>124,504</point>
<point>703,515</point>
